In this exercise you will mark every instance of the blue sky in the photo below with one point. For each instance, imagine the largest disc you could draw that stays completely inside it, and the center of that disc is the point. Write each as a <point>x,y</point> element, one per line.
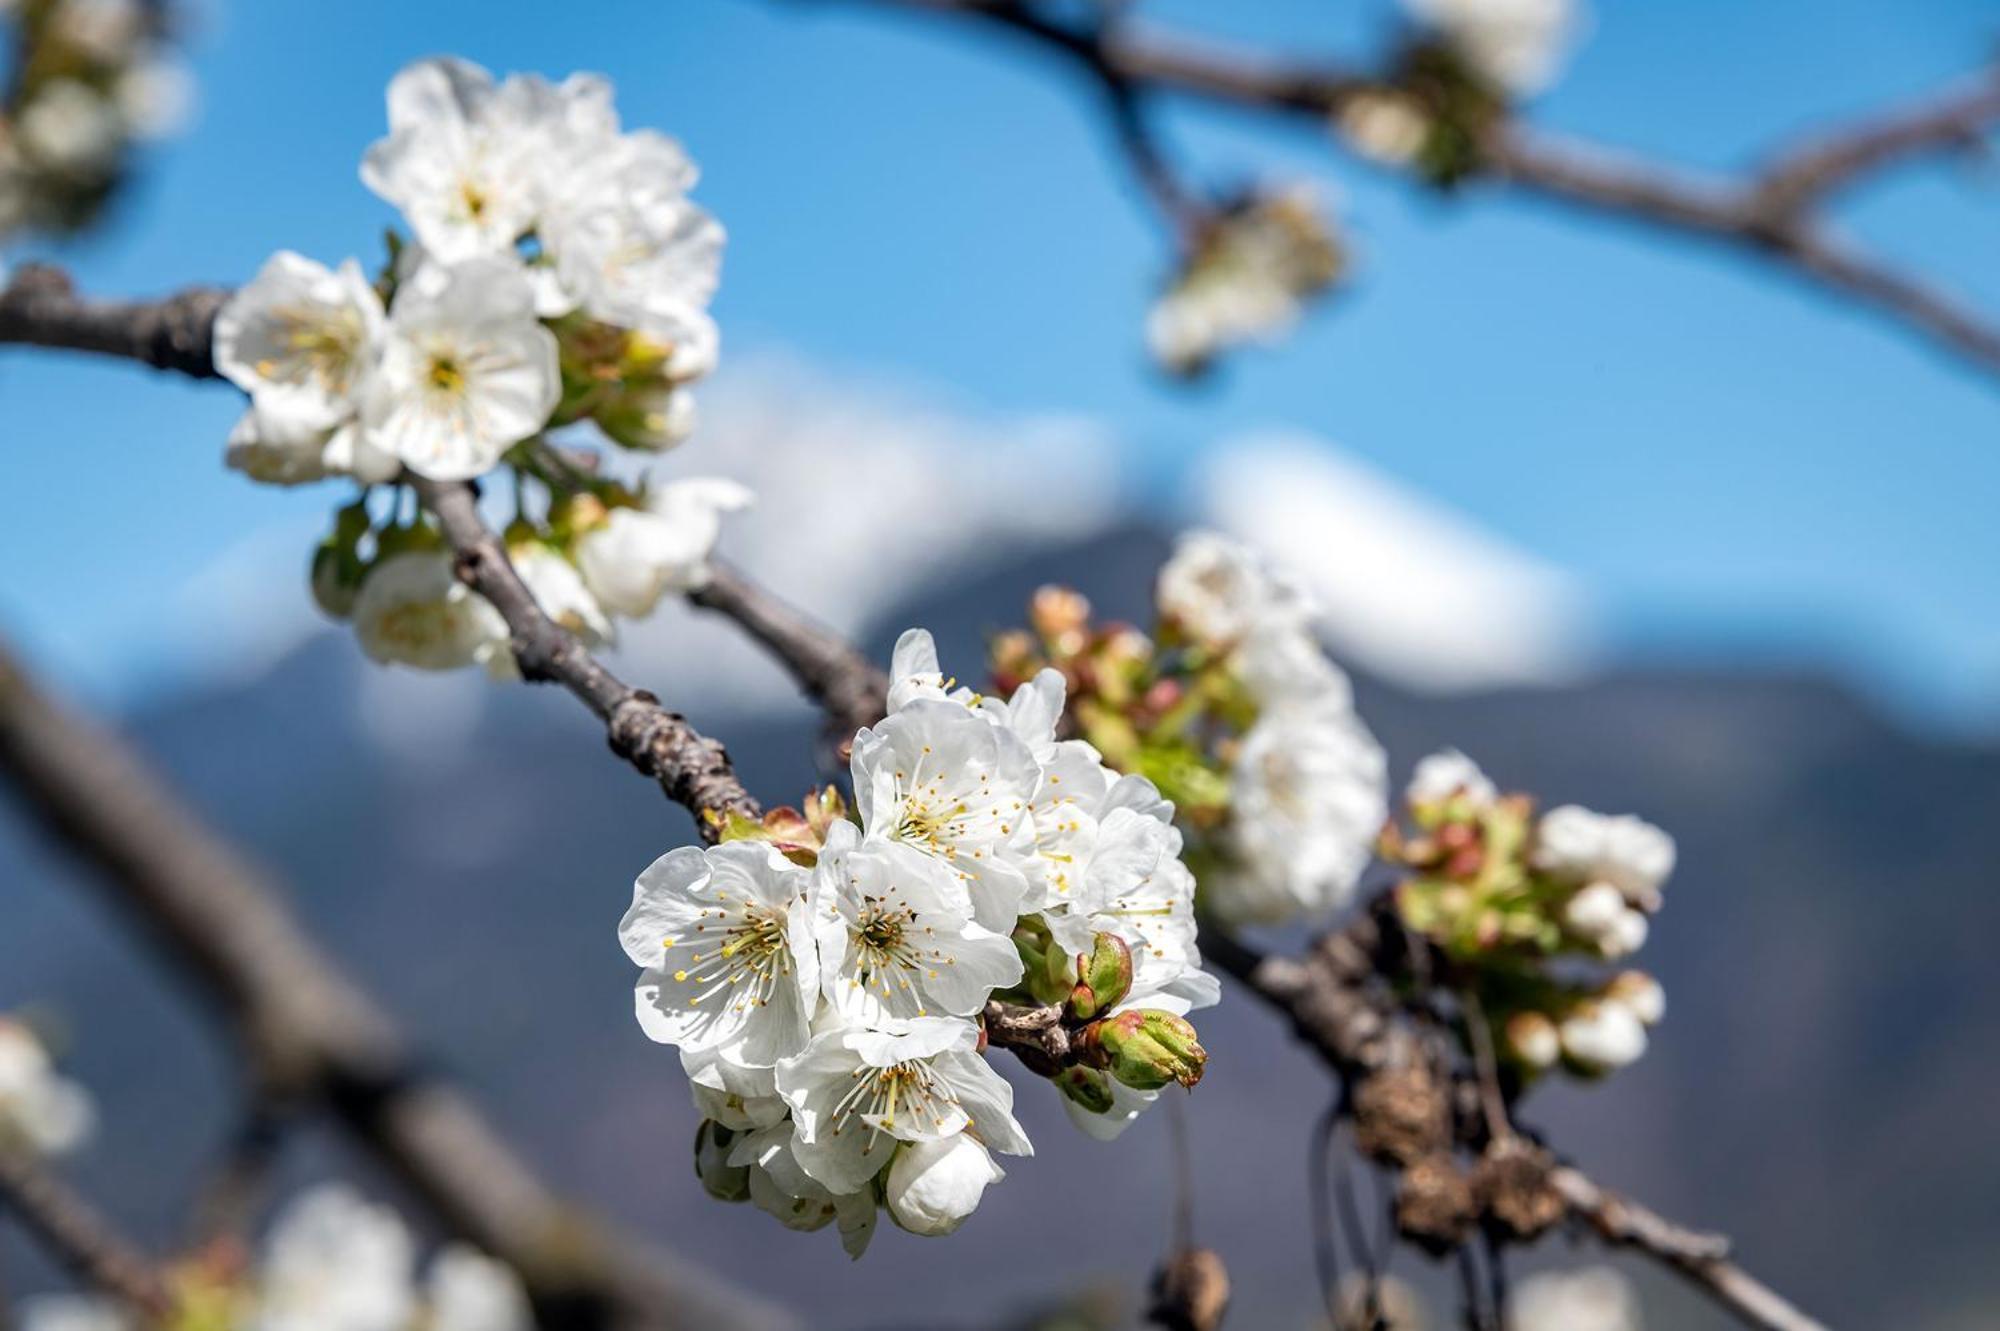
<point>1736,466</point>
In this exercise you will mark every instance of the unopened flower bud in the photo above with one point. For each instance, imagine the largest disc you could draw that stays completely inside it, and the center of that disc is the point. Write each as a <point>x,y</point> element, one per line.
<point>1086,1088</point>
<point>1627,934</point>
<point>1602,1037</point>
<point>1103,977</point>
<point>935,1184</point>
<point>1145,1049</point>
<point>1059,613</point>
<point>1640,994</point>
<point>1045,968</point>
<point>722,1180</point>
<point>571,515</point>
<point>1386,127</point>
<point>336,564</point>
<point>652,417</point>
<point>1532,1038</point>
<point>1594,912</point>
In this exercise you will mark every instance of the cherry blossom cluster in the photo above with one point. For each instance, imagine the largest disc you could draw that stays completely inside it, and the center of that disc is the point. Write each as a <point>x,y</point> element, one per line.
<point>1251,273</point>
<point>555,272</point>
<point>89,78</point>
<point>1252,266</point>
<point>832,983</point>
<point>331,1260</point>
<point>40,1108</point>
<point>1520,897</point>
<point>1233,709</point>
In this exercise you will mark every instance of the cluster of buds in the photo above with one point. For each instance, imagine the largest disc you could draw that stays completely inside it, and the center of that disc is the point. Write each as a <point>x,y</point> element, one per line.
<point>558,274</point>
<point>1246,278</point>
<point>89,78</point>
<point>1234,712</point>
<point>331,1259</point>
<point>598,551</point>
<point>835,980</point>
<point>1522,900</point>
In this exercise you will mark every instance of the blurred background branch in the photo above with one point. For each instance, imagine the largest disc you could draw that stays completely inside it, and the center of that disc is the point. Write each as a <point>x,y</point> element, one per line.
<point>1775,212</point>
<point>307,1026</point>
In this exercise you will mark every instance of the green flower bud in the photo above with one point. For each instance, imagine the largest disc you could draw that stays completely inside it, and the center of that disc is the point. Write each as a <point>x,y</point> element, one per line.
<point>722,1180</point>
<point>1145,1049</point>
<point>1103,978</point>
<point>651,417</point>
<point>1046,973</point>
<point>336,565</point>
<point>1088,1088</point>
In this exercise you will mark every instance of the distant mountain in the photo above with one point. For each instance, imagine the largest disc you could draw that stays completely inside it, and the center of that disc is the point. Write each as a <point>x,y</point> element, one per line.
<point>1823,1088</point>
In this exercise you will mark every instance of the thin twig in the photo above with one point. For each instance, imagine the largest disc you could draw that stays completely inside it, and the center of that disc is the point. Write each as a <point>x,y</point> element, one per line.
<point>1702,1258</point>
<point>1319,1198</point>
<point>82,1239</point>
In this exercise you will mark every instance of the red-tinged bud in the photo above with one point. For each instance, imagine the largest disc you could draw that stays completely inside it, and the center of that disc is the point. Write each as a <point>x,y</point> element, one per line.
<point>1058,612</point>
<point>1087,1088</point>
<point>1145,1049</point>
<point>1103,977</point>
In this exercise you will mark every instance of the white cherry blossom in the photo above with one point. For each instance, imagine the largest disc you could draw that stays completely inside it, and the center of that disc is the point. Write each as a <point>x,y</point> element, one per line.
<point>640,554</point>
<point>39,1107</point>
<point>896,935</point>
<point>934,1185</point>
<point>1625,851</point>
<point>466,1290</point>
<point>336,1262</point>
<point>1593,1299</point>
<point>466,370</point>
<point>1449,774</point>
<point>412,610</point>
<point>1217,590</point>
<point>459,167</point>
<point>281,454</point>
<point>856,1093</point>
<point>940,777</point>
<point>780,1187</point>
<point>725,938</point>
<point>1603,1036</point>
<point>1308,796</point>
<point>739,1098</point>
<point>560,592</point>
<point>299,338</point>
<point>1517,45</point>
<point>633,250</point>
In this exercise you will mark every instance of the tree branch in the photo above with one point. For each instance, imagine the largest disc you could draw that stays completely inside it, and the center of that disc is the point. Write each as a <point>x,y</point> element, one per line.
<point>1766,212</point>
<point>693,770</point>
<point>850,689</point>
<point>39,307</point>
<point>1336,1006</point>
<point>75,1233</point>
<point>312,1028</point>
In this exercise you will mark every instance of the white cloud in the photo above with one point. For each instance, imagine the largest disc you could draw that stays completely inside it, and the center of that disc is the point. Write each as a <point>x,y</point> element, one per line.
<point>1413,590</point>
